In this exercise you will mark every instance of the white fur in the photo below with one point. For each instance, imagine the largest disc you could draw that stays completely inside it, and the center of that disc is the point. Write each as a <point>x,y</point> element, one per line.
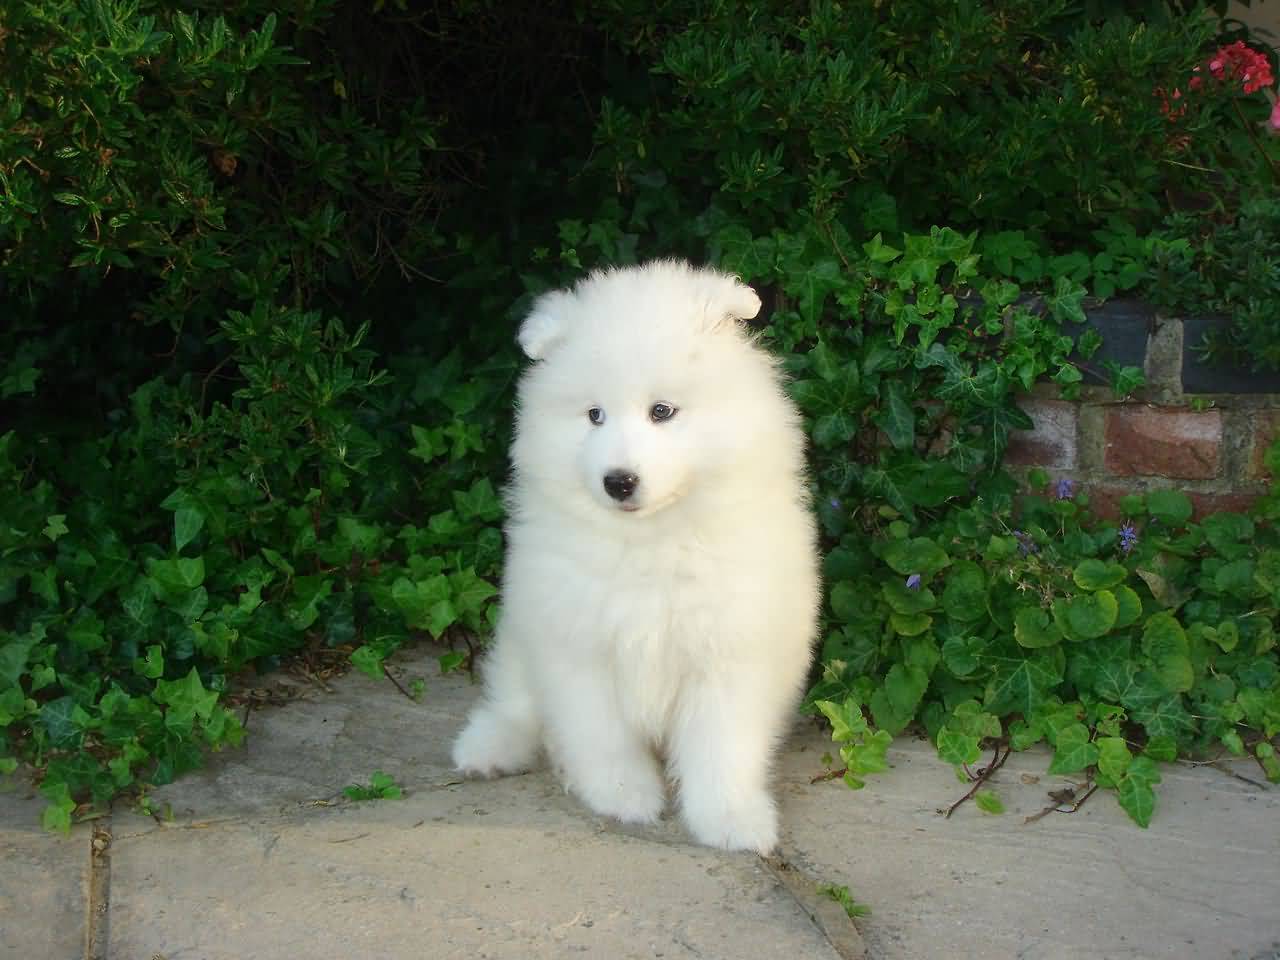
<point>680,628</point>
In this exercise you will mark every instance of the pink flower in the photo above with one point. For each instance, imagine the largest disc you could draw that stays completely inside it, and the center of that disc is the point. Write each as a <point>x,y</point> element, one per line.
<point>1238,62</point>
<point>1273,121</point>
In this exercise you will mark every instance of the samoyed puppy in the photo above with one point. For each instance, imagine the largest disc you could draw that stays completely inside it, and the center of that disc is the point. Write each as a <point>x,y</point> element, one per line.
<point>661,584</point>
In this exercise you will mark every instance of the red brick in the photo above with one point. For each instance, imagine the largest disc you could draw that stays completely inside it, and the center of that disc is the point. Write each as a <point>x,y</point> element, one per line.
<point>1147,441</point>
<point>1052,443</point>
<point>1266,426</point>
<point>1204,504</point>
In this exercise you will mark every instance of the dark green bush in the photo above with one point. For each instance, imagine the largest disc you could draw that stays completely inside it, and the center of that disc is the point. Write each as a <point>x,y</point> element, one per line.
<point>203,467</point>
<point>904,115</point>
<point>1230,271</point>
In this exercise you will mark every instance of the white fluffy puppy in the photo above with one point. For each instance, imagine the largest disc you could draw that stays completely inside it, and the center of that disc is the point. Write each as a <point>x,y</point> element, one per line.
<point>661,583</point>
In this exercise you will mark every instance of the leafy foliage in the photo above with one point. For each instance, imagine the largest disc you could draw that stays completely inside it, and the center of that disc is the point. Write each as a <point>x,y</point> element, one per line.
<point>1119,646</point>
<point>1230,271</point>
<point>188,185</point>
<point>984,92</point>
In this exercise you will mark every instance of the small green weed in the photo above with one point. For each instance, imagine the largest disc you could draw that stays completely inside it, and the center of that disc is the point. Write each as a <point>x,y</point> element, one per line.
<point>381,787</point>
<point>842,896</point>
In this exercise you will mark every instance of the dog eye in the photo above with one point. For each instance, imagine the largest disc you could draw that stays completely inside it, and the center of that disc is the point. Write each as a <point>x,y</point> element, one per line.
<point>661,411</point>
<point>596,415</point>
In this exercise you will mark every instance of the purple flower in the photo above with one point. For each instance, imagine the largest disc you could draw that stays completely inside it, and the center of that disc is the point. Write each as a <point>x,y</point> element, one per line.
<point>913,582</point>
<point>835,503</point>
<point>1025,544</point>
<point>1128,537</point>
<point>1065,488</point>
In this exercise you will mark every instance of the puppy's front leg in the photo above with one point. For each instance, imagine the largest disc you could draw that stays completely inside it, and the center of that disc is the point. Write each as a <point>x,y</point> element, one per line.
<point>721,746</point>
<point>602,759</point>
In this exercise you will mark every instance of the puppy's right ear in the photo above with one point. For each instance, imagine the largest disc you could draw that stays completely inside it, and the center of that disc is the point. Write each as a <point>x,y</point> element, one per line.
<point>545,325</point>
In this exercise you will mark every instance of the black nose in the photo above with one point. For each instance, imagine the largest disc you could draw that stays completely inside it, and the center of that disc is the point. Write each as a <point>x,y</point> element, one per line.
<point>620,485</point>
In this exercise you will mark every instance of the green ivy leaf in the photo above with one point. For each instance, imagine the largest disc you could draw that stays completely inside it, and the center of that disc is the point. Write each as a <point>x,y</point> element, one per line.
<point>177,574</point>
<point>917,556</point>
<point>55,526</point>
<point>896,418</point>
<point>14,705</point>
<point>368,660</point>
<point>853,602</point>
<point>1135,792</point>
<point>958,748</point>
<point>969,717</point>
<point>415,599</point>
<point>1167,594</point>
<point>1171,507</point>
<point>1074,751</point>
<point>303,608</point>
<point>988,802</point>
<point>1128,606</point>
<point>451,661</point>
<point>470,592</point>
<point>747,255</point>
<point>1229,534</point>
<point>1093,574</point>
<point>1266,755</point>
<point>1165,642</point>
<point>1138,800</point>
<point>910,625</point>
<point>964,597</point>
<point>961,654</point>
<point>1166,717</point>
<point>1113,757</point>
<point>1033,628</point>
<point>187,524</point>
<point>1236,578</point>
<point>865,757</point>
<point>187,695</point>
<point>904,686</point>
<point>57,816</point>
<point>846,719</point>
<point>1066,301</point>
<point>905,600</point>
<point>62,722</point>
<point>880,252</point>
<point>1021,685</point>
<point>1087,615</point>
<point>152,665</point>
<point>86,632</point>
<point>886,717</point>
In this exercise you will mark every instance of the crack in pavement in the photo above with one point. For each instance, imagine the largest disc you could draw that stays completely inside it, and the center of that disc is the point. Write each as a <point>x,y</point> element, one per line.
<point>98,896</point>
<point>827,915</point>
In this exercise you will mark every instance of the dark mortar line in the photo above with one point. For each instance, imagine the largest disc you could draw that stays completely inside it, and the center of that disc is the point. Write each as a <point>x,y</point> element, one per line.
<point>98,898</point>
<point>836,926</point>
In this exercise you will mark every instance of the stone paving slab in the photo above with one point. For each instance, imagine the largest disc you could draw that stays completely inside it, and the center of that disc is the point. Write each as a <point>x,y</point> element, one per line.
<point>43,882</point>
<point>263,857</point>
<point>1203,881</point>
<point>495,870</point>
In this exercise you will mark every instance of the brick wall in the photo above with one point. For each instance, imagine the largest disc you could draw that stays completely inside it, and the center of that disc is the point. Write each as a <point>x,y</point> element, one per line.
<point>1200,430</point>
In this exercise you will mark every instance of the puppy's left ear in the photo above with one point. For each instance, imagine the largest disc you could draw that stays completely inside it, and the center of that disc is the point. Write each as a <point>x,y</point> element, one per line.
<point>545,325</point>
<point>731,301</point>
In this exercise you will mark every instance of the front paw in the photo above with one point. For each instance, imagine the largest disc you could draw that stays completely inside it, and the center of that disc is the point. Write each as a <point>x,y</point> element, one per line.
<point>634,795</point>
<point>488,747</point>
<point>752,825</point>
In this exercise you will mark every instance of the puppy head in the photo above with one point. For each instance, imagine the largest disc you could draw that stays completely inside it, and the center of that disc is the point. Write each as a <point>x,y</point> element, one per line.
<point>643,388</point>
